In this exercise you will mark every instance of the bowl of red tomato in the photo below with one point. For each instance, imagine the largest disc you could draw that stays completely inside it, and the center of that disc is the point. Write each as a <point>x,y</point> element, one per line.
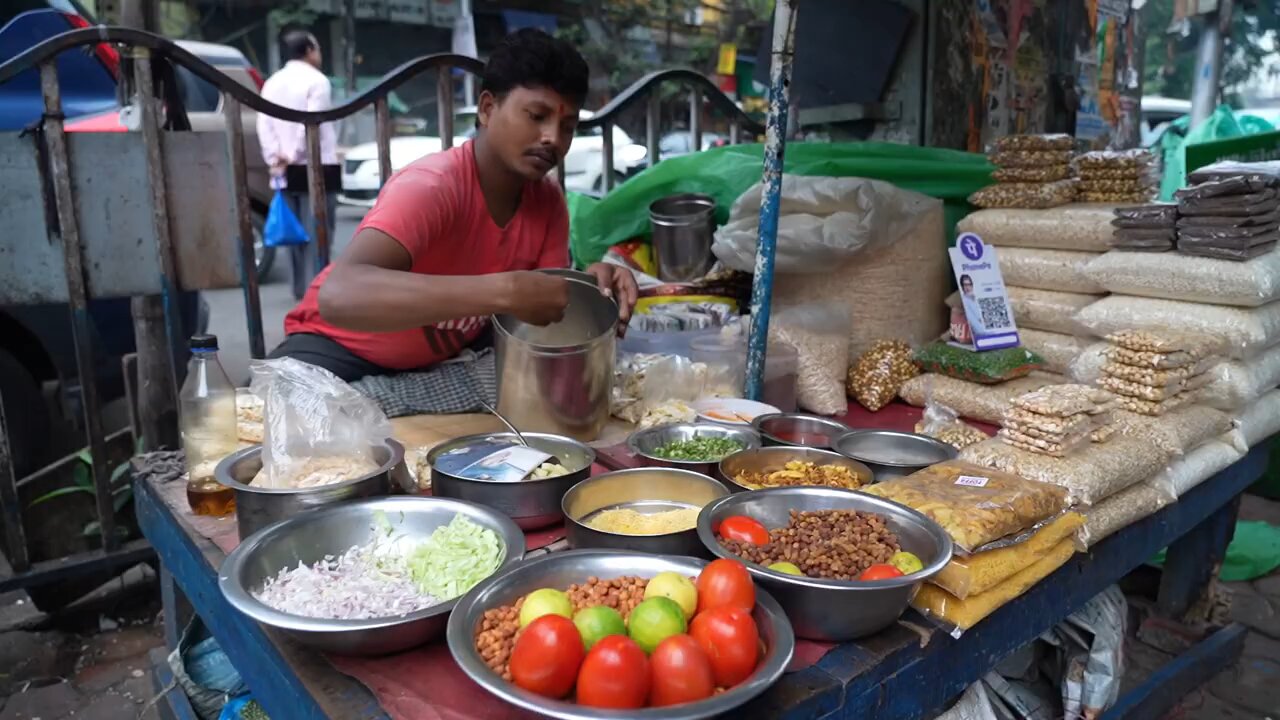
<point>604,633</point>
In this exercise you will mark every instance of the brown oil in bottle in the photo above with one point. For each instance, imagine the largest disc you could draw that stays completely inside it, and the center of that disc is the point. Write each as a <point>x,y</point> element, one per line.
<point>210,497</point>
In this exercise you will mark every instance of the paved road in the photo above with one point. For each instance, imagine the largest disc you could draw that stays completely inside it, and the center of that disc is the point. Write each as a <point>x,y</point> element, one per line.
<point>226,307</point>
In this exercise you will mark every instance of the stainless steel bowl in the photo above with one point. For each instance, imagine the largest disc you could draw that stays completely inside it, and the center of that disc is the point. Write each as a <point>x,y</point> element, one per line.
<point>768,459</point>
<point>798,429</point>
<point>532,503</point>
<point>645,490</point>
<point>308,538</point>
<point>833,610</point>
<point>644,443</point>
<point>891,454</point>
<point>562,569</point>
<point>258,507</point>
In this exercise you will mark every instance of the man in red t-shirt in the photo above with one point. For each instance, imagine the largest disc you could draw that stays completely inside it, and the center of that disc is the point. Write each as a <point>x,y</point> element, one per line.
<point>454,236</point>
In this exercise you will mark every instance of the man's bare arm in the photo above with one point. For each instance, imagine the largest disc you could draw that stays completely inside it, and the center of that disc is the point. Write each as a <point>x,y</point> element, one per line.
<point>372,289</point>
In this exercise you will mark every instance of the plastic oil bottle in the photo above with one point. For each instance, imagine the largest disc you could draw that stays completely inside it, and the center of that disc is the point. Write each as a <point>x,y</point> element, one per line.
<point>208,405</point>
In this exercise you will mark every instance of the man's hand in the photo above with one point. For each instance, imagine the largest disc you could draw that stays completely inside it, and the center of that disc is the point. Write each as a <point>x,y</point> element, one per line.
<point>617,282</point>
<point>536,298</point>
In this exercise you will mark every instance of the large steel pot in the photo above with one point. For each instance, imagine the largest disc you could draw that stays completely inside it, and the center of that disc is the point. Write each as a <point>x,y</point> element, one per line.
<point>258,507</point>
<point>556,379</point>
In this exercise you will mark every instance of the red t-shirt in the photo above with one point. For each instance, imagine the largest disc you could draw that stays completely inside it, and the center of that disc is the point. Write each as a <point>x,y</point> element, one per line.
<point>435,209</point>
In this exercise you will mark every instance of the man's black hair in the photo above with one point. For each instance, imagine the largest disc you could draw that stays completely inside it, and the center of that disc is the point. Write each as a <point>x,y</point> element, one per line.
<point>295,43</point>
<point>531,58</point>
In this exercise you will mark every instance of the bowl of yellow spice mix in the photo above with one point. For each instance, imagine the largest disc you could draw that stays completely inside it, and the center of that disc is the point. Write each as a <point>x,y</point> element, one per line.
<point>652,510</point>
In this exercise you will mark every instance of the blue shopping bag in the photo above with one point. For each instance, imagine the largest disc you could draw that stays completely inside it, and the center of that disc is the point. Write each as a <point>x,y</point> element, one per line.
<point>282,226</point>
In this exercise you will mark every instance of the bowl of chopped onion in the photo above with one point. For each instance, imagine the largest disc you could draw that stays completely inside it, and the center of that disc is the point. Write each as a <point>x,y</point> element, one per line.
<point>369,577</point>
<point>651,510</point>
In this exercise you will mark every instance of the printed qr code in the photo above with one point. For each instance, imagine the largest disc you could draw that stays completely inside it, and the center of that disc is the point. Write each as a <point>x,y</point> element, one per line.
<point>995,312</point>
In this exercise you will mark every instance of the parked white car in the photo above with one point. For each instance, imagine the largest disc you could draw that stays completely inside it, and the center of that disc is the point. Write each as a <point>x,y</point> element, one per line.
<point>582,166</point>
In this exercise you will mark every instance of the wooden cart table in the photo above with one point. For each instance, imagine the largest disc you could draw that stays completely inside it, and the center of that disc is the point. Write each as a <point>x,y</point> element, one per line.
<point>907,671</point>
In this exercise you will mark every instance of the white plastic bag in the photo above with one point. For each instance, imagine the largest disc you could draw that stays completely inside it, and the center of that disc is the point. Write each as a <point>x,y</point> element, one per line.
<point>820,335</point>
<point>1233,385</point>
<point>1175,276</point>
<point>1199,465</point>
<point>1087,367</point>
<point>1061,270</point>
<point>1260,420</point>
<point>1078,227</point>
<point>1057,349</point>
<point>1177,431</point>
<point>317,429</point>
<point>1247,331</point>
<point>822,222</point>
<point>645,383</point>
<point>1123,509</point>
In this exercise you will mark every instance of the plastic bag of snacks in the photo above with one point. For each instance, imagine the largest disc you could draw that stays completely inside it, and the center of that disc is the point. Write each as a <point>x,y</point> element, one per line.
<point>1181,277</point>
<point>1039,174</point>
<point>1199,465</point>
<point>963,614</point>
<point>1047,310</point>
<point>1029,158</point>
<point>1084,228</point>
<point>1090,475</point>
<point>1233,385</point>
<point>1087,367</point>
<point>1025,195</point>
<point>975,505</point>
<point>942,423</point>
<point>1260,420</point>
<point>979,572</point>
<point>1121,510</point>
<point>1246,331</point>
<point>877,376</point>
<point>1176,432</point>
<point>1058,350</point>
<point>820,334</point>
<point>1061,270</point>
<point>972,400</point>
<point>992,366</point>
<point>1041,142</point>
<point>651,386</point>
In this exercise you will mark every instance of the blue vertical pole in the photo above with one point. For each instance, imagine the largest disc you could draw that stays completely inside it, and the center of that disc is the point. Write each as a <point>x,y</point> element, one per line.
<point>784,40</point>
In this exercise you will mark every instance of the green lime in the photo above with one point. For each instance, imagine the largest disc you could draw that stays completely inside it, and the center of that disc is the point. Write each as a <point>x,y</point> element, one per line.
<point>655,620</point>
<point>546,601</point>
<point>906,562</point>
<point>786,567</point>
<point>596,623</point>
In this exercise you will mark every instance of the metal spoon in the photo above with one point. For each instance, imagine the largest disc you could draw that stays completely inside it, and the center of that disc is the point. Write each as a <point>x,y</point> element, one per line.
<point>493,411</point>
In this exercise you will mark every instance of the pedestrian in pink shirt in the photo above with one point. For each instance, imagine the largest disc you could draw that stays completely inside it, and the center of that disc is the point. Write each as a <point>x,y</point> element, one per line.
<point>301,86</point>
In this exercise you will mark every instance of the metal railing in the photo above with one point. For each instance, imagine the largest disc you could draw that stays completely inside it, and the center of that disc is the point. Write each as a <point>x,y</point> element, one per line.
<point>149,51</point>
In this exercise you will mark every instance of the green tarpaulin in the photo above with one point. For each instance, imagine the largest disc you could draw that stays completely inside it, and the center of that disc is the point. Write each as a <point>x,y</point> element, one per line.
<point>725,173</point>
<point>1253,552</point>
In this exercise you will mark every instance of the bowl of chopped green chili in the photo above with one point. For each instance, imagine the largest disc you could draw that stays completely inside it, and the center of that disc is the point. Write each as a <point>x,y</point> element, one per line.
<point>690,446</point>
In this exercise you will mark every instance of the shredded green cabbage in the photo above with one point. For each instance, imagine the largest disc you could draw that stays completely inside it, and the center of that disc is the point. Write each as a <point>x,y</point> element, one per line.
<point>455,558</point>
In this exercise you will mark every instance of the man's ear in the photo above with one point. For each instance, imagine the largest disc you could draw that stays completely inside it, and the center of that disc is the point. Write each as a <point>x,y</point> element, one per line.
<point>485,106</point>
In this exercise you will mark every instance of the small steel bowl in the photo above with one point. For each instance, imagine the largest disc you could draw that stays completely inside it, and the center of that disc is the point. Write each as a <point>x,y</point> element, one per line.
<point>258,507</point>
<point>644,490</point>
<point>768,459</point>
<point>892,454</point>
<point>799,430</point>
<point>864,608</point>
<point>562,569</point>
<point>644,443</point>
<point>309,537</point>
<point>531,503</point>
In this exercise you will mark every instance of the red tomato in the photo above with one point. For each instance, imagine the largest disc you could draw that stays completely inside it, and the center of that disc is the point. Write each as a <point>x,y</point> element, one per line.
<point>615,674</point>
<point>744,529</point>
<point>546,657</point>
<point>681,672</point>
<point>731,640</point>
<point>880,572</point>
<point>725,582</point>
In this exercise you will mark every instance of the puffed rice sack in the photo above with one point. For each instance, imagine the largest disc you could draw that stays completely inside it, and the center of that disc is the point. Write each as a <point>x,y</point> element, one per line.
<point>1177,431</point>
<point>1199,465</point>
<point>1087,367</point>
<point>1077,226</point>
<point>1061,270</point>
<point>1089,475</point>
<point>972,400</point>
<point>1057,349</point>
<point>1259,421</point>
<point>1246,331</point>
<point>1122,510</point>
<point>1175,276</point>
<point>1234,385</point>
